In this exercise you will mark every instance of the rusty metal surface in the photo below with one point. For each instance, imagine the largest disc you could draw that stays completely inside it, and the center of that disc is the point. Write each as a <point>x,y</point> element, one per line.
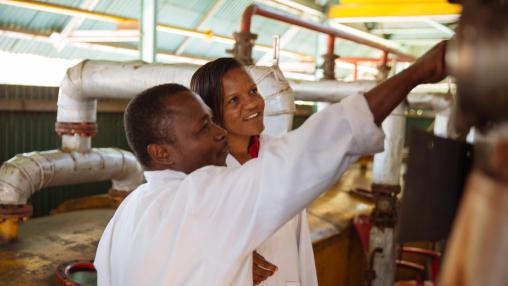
<point>242,50</point>
<point>332,213</point>
<point>80,128</point>
<point>8,211</point>
<point>46,242</point>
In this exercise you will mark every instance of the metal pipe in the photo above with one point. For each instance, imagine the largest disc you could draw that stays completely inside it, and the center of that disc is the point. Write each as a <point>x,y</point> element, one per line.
<point>355,60</point>
<point>276,15</point>
<point>386,166</point>
<point>90,80</point>
<point>385,187</point>
<point>330,45</point>
<point>25,174</point>
<point>427,96</point>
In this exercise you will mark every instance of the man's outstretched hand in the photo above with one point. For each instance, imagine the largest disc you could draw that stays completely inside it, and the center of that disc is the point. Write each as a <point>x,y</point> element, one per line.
<point>431,67</point>
<point>261,268</point>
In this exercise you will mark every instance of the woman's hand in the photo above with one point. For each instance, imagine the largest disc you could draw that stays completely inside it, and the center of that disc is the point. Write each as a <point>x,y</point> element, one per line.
<point>261,268</point>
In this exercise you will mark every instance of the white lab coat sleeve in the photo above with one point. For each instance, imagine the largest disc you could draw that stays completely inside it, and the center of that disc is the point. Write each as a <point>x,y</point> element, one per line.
<point>241,202</point>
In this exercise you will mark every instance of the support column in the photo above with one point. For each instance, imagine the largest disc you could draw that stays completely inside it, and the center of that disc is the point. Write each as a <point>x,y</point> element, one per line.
<point>385,187</point>
<point>148,24</point>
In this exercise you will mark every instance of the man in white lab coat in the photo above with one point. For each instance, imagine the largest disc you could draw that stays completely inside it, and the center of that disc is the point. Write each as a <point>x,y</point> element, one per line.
<point>195,222</point>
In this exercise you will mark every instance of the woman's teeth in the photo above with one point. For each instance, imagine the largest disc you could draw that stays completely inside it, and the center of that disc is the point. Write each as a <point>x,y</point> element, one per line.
<point>252,116</point>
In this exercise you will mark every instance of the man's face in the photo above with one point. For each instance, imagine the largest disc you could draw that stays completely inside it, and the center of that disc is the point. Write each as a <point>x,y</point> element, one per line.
<point>199,142</point>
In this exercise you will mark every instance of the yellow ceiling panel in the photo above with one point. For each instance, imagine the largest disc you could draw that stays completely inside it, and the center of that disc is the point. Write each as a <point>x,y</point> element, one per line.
<point>392,8</point>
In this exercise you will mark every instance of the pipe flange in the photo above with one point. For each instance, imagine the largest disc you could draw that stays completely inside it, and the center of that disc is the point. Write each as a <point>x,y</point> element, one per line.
<point>385,209</point>
<point>15,211</point>
<point>117,197</point>
<point>242,50</point>
<point>86,129</point>
<point>64,271</point>
<point>328,66</point>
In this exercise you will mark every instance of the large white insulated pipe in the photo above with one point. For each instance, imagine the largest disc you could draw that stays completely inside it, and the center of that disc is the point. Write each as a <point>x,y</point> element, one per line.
<point>278,96</point>
<point>90,80</point>
<point>424,96</point>
<point>23,175</point>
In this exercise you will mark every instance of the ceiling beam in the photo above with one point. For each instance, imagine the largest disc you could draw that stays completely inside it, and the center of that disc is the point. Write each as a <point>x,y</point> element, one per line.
<point>440,27</point>
<point>74,24</point>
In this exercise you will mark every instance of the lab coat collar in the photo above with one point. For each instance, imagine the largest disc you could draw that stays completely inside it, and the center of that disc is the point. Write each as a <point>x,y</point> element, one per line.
<point>163,176</point>
<point>231,160</point>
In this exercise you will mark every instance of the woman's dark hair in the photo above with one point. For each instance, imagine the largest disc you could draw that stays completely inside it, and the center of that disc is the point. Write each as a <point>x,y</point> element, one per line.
<point>207,83</point>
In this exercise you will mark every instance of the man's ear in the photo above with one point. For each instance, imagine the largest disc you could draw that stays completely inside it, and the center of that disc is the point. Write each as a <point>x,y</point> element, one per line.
<point>161,154</point>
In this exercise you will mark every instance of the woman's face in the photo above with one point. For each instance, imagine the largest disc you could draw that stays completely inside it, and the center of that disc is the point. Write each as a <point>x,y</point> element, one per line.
<point>243,106</point>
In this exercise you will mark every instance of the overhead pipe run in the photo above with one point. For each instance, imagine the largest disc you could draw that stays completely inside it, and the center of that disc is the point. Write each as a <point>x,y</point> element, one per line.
<point>90,80</point>
<point>435,97</point>
<point>245,39</point>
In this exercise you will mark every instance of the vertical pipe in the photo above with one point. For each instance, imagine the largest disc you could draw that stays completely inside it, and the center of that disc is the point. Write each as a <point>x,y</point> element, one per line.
<point>385,58</point>
<point>386,185</point>
<point>441,121</point>
<point>329,58</point>
<point>386,167</point>
<point>147,28</point>
<point>331,45</point>
<point>276,49</point>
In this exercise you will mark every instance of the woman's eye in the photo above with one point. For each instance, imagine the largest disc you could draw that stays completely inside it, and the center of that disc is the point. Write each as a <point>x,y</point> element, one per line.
<point>233,100</point>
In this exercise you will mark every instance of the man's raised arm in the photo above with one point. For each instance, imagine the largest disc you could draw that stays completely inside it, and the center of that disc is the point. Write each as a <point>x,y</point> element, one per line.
<point>429,68</point>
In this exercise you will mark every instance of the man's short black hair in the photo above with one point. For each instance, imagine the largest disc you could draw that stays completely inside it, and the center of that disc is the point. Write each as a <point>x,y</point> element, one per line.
<point>146,119</point>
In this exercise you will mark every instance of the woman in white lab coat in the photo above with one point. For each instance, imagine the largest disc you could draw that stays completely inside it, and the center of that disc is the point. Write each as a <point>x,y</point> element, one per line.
<point>237,106</point>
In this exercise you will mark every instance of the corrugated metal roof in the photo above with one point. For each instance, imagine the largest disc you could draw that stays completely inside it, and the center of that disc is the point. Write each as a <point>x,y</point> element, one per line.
<point>179,13</point>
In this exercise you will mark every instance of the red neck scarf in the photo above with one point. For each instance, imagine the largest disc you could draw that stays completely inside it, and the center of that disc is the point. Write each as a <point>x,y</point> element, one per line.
<point>254,146</point>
